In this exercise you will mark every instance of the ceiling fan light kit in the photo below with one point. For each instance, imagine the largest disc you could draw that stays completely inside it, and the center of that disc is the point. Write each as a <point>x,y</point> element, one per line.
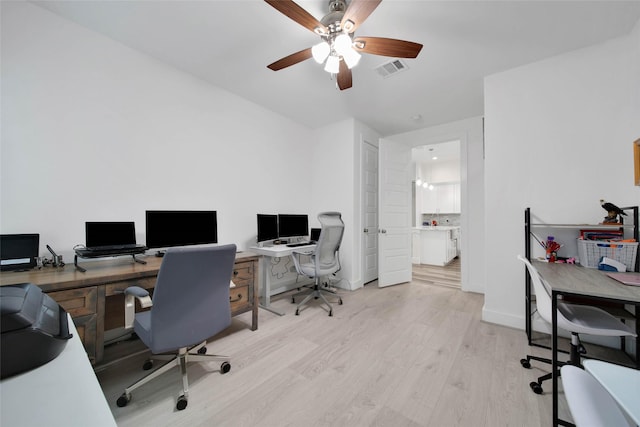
<point>338,46</point>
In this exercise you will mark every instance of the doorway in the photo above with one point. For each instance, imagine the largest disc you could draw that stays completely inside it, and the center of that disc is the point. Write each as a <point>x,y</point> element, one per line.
<point>436,213</point>
<point>369,211</point>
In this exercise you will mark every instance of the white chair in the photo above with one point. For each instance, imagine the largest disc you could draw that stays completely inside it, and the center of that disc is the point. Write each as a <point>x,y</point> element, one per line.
<point>574,318</point>
<point>324,260</point>
<point>590,403</point>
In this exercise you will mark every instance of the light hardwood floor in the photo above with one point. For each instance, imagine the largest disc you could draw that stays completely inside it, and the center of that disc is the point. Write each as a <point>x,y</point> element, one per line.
<point>407,355</point>
<point>448,275</point>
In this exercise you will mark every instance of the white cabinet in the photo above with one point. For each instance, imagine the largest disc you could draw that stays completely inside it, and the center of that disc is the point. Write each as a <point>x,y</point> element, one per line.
<point>438,247</point>
<point>430,200</point>
<point>443,198</point>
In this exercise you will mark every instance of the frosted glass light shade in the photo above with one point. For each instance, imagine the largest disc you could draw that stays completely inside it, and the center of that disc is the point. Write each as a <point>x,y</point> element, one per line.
<point>351,58</point>
<point>320,52</point>
<point>333,65</point>
<point>342,44</point>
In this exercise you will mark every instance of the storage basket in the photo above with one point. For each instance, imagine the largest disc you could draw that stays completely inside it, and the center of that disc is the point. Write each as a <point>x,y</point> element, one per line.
<point>590,252</point>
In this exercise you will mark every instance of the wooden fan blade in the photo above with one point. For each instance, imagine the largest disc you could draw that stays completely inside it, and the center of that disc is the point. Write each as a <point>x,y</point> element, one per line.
<point>290,60</point>
<point>297,13</point>
<point>345,80</point>
<point>357,12</point>
<point>387,47</point>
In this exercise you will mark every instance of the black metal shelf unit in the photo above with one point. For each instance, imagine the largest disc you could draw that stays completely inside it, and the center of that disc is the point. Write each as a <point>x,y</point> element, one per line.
<point>527,250</point>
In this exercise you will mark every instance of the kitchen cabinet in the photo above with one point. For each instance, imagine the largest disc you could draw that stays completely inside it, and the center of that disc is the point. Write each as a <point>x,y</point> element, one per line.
<point>437,245</point>
<point>443,198</point>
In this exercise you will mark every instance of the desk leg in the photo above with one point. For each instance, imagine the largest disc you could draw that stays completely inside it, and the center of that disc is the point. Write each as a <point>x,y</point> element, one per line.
<point>265,288</point>
<point>637,338</point>
<point>554,354</point>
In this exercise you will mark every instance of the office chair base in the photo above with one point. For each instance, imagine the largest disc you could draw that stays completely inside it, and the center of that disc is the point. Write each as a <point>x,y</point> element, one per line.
<point>194,354</point>
<point>316,292</point>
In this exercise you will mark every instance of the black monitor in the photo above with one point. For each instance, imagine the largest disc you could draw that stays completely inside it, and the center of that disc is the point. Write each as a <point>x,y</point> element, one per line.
<point>267,227</point>
<point>18,251</point>
<point>109,233</point>
<point>315,234</point>
<point>290,225</point>
<point>181,228</point>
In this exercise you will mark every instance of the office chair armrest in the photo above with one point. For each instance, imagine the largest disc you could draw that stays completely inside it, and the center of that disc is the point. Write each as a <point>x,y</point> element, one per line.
<point>295,255</point>
<point>304,252</point>
<point>130,294</point>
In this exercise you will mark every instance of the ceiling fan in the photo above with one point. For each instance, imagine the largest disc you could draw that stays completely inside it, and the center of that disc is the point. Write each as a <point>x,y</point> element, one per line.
<point>339,48</point>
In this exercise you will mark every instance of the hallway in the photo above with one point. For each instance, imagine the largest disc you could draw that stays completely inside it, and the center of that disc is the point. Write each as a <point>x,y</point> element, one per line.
<point>448,275</point>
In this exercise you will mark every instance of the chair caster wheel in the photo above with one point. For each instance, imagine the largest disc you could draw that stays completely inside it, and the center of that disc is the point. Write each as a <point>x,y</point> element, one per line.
<point>182,403</point>
<point>331,313</point>
<point>537,388</point>
<point>202,350</point>
<point>123,400</point>
<point>525,363</point>
<point>225,367</point>
<point>293,300</point>
<point>147,365</point>
<point>340,301</point>
<point>297,312</point>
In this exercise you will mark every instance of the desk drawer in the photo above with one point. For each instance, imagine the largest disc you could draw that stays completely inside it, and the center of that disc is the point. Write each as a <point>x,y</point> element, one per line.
<point>242,273</point>
<point>239,298</point>
<point>119,287</point>
<point>77,302</point>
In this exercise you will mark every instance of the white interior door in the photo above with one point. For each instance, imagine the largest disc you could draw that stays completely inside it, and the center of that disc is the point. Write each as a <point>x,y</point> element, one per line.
<point>369,212</point>
<point>395,213</point>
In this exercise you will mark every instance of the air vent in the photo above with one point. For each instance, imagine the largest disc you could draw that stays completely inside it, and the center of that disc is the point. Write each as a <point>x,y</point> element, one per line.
<point>391,68</point>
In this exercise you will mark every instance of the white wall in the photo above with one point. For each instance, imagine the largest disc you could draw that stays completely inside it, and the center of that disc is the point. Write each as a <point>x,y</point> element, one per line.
<point>444,171</point>
<point>558,138</point>
<point>469,132</point>
<point>92,130</point>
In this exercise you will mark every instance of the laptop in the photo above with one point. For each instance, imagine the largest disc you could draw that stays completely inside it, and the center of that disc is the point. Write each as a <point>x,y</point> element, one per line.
<point>111,236</point>
<point>18,252</point>
<point>632,279</point>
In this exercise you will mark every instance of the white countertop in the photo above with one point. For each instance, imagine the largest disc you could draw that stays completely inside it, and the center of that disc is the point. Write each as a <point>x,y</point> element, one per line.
<point>438,228</point>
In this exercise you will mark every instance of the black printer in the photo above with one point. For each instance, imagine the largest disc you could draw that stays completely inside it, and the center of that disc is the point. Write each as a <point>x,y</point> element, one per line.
<point>34,328</point>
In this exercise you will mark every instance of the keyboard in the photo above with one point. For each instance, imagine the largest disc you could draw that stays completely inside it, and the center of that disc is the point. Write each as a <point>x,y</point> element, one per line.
<point>296,245</point>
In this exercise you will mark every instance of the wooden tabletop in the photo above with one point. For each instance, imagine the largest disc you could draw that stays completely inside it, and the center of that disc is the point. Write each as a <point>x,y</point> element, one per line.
<point>575,279</point>
<point>99,272</point>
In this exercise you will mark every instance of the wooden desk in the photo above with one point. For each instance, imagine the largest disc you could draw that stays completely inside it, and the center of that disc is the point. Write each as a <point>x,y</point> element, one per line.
<point>573,280</point>
<point>95,300</point>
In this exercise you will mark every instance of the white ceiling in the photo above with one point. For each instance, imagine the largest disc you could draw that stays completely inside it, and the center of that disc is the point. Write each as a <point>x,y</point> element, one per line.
<point>230,43</point>
<point>445,152</point>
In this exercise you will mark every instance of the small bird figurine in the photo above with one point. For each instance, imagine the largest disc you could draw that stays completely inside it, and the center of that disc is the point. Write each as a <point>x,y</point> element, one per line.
<point>613,212</point>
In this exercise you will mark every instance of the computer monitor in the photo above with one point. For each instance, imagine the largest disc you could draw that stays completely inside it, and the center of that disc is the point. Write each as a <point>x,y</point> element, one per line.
<point>166,228</point>
<point>290,225</point>
<point>99,234</point>
<point>315,234</point>
<point>267,227</point>
<point>18,251</point>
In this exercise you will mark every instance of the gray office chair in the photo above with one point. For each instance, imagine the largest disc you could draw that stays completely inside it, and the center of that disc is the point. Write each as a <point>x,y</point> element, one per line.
<point>324,260</point>
<point>574,318</point>
<point>590,403</point>
<point>190,304</point>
